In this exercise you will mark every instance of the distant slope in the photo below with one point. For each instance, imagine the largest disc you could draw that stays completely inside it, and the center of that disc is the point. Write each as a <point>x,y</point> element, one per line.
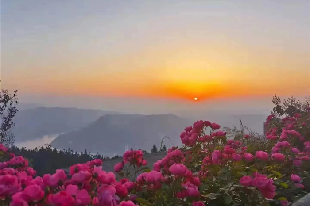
<point>35,123</point>
<point>110,133</point>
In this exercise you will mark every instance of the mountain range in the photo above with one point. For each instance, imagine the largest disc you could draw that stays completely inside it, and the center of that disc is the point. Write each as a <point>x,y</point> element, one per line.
<point>36,122</point>
<point>111,133</point>
<point>108,132</point>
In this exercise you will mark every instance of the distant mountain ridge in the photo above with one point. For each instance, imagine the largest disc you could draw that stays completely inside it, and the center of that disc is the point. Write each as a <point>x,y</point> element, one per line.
<point>36,122</point>
<point>112,132</point>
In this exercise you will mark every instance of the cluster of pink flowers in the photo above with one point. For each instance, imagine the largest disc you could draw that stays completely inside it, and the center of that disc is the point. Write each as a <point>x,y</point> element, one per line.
<point>182,171</point>
<point>261,182</point>
<point>88,184</point>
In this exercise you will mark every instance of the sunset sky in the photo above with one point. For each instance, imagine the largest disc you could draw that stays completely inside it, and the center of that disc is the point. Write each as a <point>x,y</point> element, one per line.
<point>156,49</point>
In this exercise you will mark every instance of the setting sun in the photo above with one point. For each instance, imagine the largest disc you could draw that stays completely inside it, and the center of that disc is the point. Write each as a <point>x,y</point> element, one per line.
<point>195,98</point>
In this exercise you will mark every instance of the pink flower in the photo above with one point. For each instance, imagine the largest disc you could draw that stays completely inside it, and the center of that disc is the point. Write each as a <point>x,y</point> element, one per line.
<point>262,155</point>
<point>18,200</point>
<point>295,178</point>
<point>127,203</point>
<point>247,136</point>
<point>61,199</point>
<point>78,167</point>
<point>246,181</point>
<point>283,135</point>
<point>33,193</point>
<point>154,177</point>
<point>271,137</point>
<point>198,126</point>
<point>83,198</point>
<point>80,177</point>
<point>104,177</point>
<point>259,182</point>
<point>284,203</point>
<point>269,190</point>
<point>236,157</point>
<point>293,132</point>
<point>9,185</point>
<point>3,148</point>
<point>178,169</point>
<point>295,150</point>
<point>299,185</point>
<point>278,156</point>
<point>297,163</point>
<point>106,195</point>
<point>121,190</point>
<point>215,126</point>
<point>118,167</point>
<point>216,155</point>
<point>248,157</point>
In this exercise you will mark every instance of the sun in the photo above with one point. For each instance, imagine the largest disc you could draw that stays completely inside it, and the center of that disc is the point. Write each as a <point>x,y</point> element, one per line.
<point>195,98</point>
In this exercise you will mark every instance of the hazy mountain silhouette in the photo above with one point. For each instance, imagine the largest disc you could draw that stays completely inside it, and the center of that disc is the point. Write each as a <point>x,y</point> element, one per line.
<point>26,106</point>
<point>110,133</point>
<point>35,123</point>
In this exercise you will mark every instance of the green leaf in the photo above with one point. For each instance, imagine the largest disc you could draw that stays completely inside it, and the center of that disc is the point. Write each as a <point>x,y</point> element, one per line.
<point>212,196</point>
<point>143,201</point>
<point>284,185</point>
<point>147,170</point>
<point>282,198</point>
<point>228,199</point>
<point>278,174</point>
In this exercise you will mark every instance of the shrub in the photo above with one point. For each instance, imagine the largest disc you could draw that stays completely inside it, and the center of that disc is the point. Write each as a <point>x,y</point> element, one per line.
<point>208,170</point>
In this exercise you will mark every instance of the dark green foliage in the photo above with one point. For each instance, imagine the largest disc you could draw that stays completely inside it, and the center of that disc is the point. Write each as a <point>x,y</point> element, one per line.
<point>164,149</point>
<point>154,149</point>
<point>47,160</point>
<point>8,111</point>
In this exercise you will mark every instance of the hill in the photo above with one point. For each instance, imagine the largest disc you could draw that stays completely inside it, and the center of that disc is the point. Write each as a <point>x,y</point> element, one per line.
<point>37,122</point>
<point>112,132</point>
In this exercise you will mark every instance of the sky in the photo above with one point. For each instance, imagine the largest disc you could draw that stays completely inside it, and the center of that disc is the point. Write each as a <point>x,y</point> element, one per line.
<point>159,54</point>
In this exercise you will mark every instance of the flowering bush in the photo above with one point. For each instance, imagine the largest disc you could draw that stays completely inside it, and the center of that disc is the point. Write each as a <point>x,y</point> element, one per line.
<point>209,169</point>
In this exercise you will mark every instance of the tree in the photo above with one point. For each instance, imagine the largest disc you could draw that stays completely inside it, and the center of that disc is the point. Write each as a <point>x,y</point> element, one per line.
<point>154,149</point>
<point>8,110</point>
<point>164,149</point>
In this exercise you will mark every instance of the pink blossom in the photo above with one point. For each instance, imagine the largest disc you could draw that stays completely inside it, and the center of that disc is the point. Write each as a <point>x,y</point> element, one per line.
<point>299,185</point>
<point>278,156</point>
<point>284,203</point>
<point>259,182</point>
<point>33,193</point>
<point>118,167</point>
<point>295,178</point>
<point>246,181</point>
<point>3,148</point>
<point>121,190</point>
<point>61,199</point>
<point>262,155</point>
<point>271,137</point>
<point>9,185</point>
<point>80,177</point>
<point>297,163</point>
<point>216,155</point>
<point>248,157</point>
<point>198,126</point>
<point>283,135</point>
<point>275,150</point>
<point>247,136</point>
<point>178,169</point>
<point>127,203</point>
<point>215,126</point>
<point>236,157</point>
<point>154,177</point>
<point>295,150</point>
